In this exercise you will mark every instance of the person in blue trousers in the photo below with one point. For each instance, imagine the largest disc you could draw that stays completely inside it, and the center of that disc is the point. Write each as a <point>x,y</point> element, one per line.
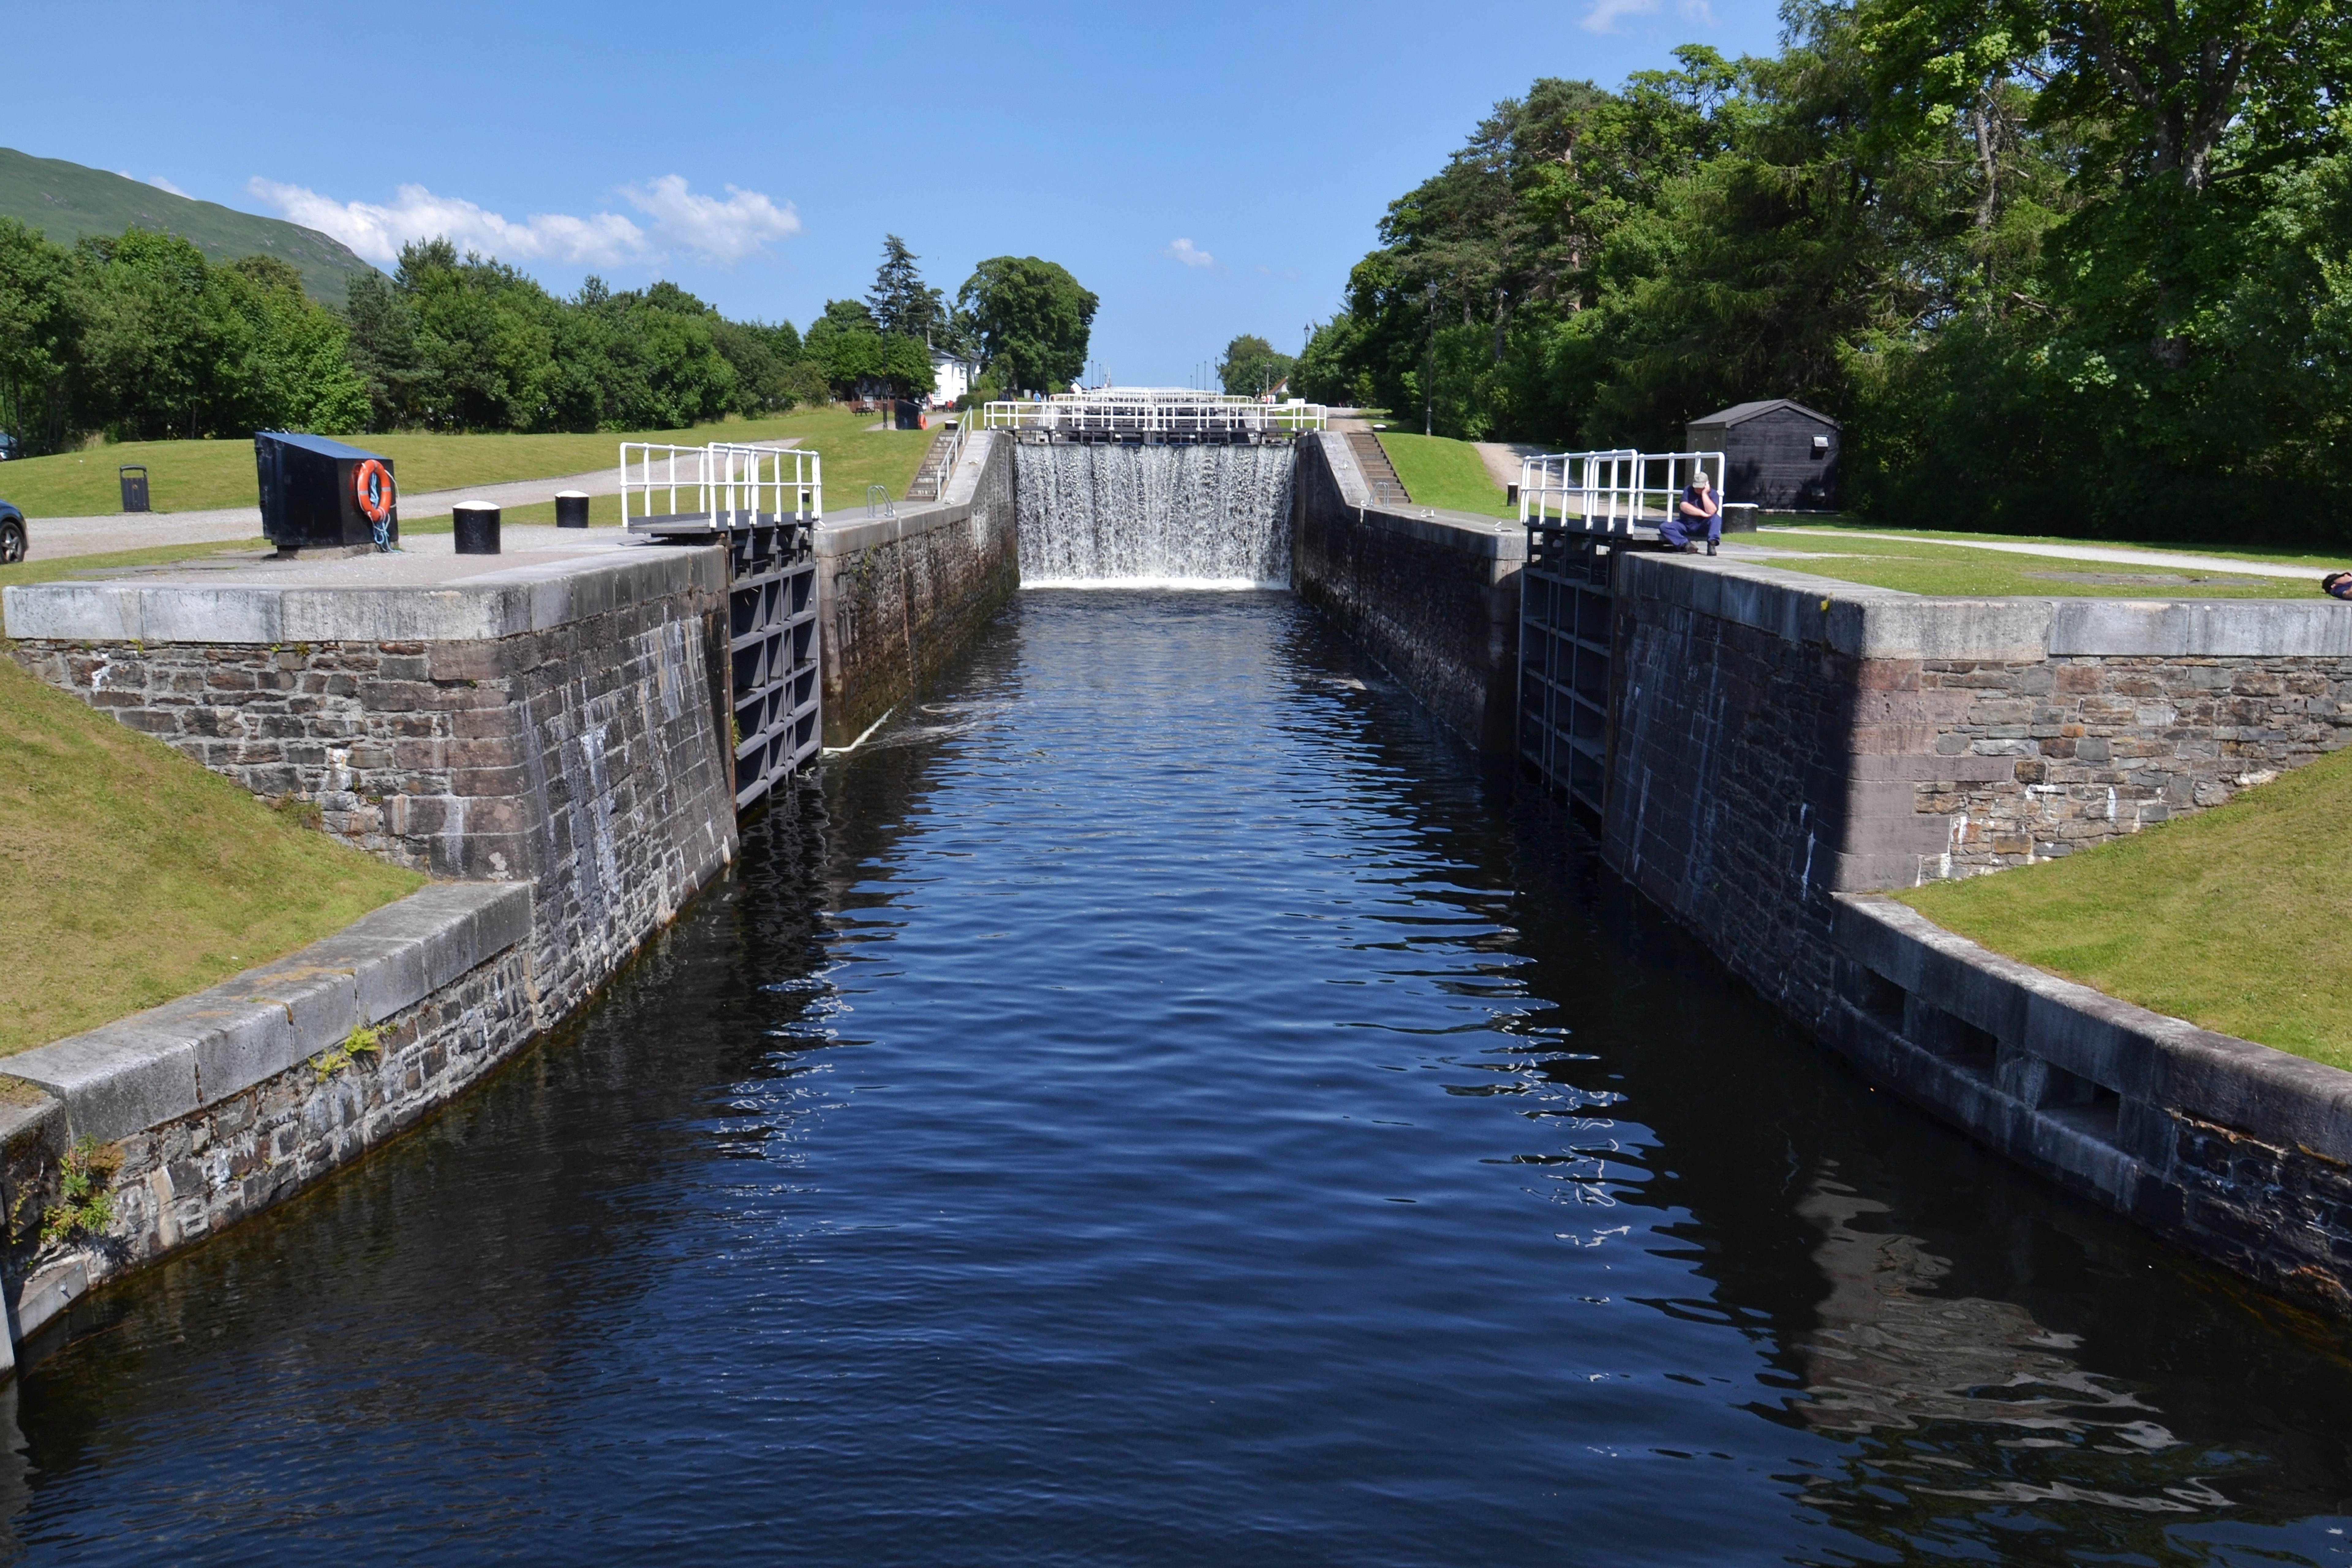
<point>1697,509</point>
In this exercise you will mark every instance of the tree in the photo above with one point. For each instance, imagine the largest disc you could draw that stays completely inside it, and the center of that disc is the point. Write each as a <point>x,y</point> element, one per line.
<point>900,303</point>
<point>846,344</point>
<point>39,337</point>
<point>1251,367</point>
<point>1032,321</point>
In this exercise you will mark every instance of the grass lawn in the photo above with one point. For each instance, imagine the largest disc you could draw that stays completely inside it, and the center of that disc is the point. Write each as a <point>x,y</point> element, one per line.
<point>2275,556</point>
<point>2233,919</point>
<point>1440,472</point>
<point>197,476</point>
<point>130,876</point>
<point>1927,566</point>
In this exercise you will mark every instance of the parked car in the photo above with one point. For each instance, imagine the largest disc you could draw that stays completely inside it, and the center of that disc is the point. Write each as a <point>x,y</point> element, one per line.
<point>7,445</point>
<point>12,535</point>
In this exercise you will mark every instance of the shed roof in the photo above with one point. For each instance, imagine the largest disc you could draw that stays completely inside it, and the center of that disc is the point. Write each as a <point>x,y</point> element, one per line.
<point>1740,413</point>
<point>325,446</point>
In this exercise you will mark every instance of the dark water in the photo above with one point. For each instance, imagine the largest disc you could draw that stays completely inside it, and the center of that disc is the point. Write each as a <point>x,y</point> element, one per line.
<point>1156,1105</point>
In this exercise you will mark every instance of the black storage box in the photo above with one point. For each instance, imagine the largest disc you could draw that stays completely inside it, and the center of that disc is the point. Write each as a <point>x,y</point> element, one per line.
<point>316,492</point>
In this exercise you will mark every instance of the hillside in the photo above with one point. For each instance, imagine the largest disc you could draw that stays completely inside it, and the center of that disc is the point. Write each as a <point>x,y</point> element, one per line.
<point>65,201</point>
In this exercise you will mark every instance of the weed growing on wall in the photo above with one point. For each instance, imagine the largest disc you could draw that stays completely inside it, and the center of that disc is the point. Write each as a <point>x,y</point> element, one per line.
<point>86,1205</point>
<point>360,1043</point>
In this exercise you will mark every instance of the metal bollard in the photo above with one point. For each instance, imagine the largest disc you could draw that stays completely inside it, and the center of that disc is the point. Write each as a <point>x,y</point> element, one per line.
<point>571,509</point>
<point>477,526</point>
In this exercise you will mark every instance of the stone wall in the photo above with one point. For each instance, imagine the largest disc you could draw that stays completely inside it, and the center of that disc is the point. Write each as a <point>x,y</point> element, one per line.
<point>2238,1151</point>
<point>1780,738</point>
<point>578,752</point>
<point>1434,596</point>
<point>214,1106</point>
<point>899,597</point>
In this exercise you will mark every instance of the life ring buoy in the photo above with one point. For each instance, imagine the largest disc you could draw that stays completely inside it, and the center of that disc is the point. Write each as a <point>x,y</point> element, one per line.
<point>371,489</point>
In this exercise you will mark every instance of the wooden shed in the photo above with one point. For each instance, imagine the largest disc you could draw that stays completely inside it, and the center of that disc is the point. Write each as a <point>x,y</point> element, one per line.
<point>1776,453</point>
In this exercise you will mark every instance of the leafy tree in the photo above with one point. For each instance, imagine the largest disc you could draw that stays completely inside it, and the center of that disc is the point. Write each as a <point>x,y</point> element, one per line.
<point>39,337</point>
<point>1251,367</point>
<point>1031,320</point>
<point>845,344</point>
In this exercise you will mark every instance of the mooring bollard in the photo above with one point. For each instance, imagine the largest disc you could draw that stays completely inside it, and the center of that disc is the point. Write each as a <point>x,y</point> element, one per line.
<point>477,526</point>
<point>571,509</point>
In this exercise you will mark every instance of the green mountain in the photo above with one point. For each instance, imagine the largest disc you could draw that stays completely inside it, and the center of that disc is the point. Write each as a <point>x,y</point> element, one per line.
<point>65,201</point>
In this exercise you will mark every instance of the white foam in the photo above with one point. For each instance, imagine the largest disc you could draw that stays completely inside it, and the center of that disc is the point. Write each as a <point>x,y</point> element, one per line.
<point>1180,584</point>
<point>1212,517</point>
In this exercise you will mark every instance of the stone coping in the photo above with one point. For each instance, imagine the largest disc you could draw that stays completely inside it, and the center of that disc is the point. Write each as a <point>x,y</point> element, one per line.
<point>2145,1057</point>
<point>169,1061</point>
<point>426,595</point>
<point>1887,623</point>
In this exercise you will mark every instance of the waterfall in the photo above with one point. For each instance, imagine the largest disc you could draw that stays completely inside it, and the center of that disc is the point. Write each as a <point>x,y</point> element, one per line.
<point>1195,516</point>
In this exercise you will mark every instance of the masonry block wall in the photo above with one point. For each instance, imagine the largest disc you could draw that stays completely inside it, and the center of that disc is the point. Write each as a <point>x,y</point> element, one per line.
<point>1779,739</point>
<point>901,596</point>
<point>1434,599</point>
<point>581,755</point>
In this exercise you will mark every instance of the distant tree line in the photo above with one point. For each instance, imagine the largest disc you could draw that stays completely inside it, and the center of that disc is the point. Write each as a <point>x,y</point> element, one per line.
<point>2058,265</point>
<point>140,337</point>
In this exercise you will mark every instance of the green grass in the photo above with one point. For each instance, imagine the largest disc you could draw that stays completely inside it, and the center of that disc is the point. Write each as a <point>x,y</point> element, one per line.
<point>197,476</point>
<point>132,876</point>
<point>2275,556</point>
<point>1927,566</point>
<point>1448,474</point>
<point>2233,919</point>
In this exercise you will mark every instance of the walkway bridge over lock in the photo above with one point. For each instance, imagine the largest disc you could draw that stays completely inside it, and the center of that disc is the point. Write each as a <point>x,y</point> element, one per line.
<point>1154,416</point>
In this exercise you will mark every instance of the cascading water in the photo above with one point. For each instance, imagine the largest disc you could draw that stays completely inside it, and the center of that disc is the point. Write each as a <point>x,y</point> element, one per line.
<point>1199,516</point>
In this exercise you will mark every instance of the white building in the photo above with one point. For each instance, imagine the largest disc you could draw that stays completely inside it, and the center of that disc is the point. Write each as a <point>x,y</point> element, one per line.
<point>951,378</point>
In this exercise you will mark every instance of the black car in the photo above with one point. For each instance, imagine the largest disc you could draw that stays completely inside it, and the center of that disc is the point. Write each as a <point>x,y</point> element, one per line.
<point>12,535</point>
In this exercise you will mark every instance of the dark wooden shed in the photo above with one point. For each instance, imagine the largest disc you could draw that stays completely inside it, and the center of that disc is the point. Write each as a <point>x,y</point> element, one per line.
<point>1776,453</point>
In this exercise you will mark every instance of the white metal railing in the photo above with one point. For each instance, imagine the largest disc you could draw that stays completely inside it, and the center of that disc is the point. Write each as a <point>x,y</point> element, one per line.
<point>722,484</point>
<point>1155,411</point>
<point>952,451</point>
<point>1613,492</point>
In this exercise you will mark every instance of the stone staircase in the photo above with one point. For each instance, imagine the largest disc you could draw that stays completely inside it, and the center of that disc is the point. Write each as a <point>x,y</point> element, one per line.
<point>930,480</point>
<point>1379,472</point>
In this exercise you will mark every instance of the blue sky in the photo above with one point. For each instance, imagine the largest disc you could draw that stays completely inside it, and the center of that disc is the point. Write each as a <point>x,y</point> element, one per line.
<point>1207,169</point>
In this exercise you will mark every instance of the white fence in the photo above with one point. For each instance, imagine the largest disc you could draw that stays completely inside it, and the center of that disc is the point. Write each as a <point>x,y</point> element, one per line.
<point>1610,492</point>
<point>1155,411</point>
<point>722,485</point>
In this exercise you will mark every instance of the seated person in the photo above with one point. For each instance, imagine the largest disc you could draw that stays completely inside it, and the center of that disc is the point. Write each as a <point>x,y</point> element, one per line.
<point>1697,509</point>
<point>2339,583</point>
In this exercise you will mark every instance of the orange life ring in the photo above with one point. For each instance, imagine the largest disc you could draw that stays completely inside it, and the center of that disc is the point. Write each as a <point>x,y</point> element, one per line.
<point>371,489</point>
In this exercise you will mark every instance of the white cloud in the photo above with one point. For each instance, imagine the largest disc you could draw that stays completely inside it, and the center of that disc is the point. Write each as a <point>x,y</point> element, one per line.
<point>706,227</point>
<point>702,226</point>
<point>1190,255</point>
<point>1698,11</point>
<point>159,182</point>
<point>1604,15</point>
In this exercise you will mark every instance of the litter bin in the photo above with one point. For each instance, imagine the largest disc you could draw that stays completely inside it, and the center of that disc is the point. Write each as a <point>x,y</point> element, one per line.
<point>477,526</point>
<point>571,509</point>
<point>135,486</point>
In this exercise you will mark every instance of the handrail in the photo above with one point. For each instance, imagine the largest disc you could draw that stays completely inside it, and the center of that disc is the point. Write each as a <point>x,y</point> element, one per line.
<point>1155,411</point>
<point>723,484</point>
<point>1611,491</point>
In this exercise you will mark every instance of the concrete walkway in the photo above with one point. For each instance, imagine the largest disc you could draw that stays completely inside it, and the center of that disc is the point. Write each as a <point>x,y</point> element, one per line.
<point>2121,555</point>
<point>56,538</point>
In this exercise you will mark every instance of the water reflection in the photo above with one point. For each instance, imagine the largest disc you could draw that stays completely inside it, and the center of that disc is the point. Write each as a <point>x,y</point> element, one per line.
<point>1156,1103</point>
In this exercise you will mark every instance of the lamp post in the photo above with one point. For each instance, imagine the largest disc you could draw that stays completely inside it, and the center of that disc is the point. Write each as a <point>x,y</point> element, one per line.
<point>1429,358</point>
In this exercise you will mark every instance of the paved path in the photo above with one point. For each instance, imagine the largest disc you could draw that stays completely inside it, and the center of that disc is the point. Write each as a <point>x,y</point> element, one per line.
<point>55,537</point>
<point>1502,458</point>
<point>2119,554</point>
